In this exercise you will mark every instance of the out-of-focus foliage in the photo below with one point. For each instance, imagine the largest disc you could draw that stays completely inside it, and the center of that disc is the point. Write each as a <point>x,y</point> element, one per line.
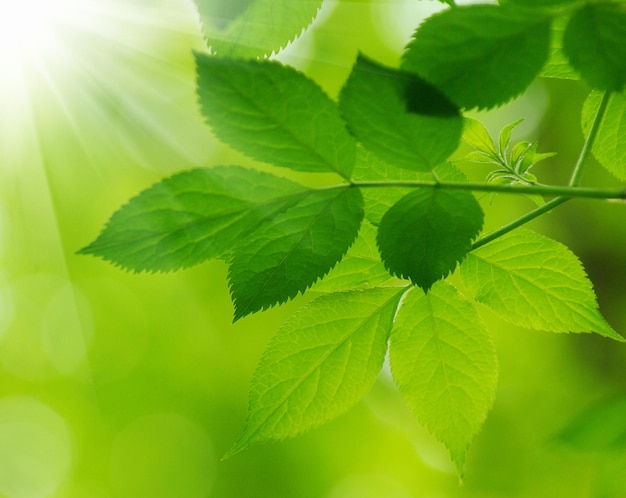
<point>115,385</point>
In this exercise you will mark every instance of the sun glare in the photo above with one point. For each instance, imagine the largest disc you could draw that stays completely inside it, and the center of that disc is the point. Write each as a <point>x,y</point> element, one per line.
<point>31,41</point>
<point>29,27</point>
<point>84,66</point>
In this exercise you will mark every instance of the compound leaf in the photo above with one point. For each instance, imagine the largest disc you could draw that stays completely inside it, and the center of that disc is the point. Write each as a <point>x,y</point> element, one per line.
<point>274,114</point>
<point>257,27</point>
<point>191,217</point>
<point>399,116</point>
<point>609,147</point>
<point>595,44</point>
<point>444,363</point>
<point>535,282</point>
<point>427,232</point>
<point>319,364</point>
<point>288,254</point>
<point>480,55</point>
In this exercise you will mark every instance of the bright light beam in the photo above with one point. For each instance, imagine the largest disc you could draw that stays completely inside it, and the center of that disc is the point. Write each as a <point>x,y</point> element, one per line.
<point>30,38</point>
<point>110,74</point>
<point>27,28</point>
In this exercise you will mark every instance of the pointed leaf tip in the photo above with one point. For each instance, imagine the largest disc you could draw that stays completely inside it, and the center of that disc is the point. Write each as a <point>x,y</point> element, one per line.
<point>535,282</point>
<point>465,50</point>
<point>427,232</point>
<point>319,364</point>
<point>247,32</point>
<point>399,116</point>
<point>445,366</point>
<point>264,109</point>
<point>192,216</point>
<point>288,255</point>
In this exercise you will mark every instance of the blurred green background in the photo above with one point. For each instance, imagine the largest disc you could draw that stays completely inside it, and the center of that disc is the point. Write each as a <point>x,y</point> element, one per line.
<point>118,385</point>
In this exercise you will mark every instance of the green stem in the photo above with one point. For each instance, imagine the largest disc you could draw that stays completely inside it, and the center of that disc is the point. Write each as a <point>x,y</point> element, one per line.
<point>543,190</point>
<point>591,138</point>
<point>522,220</point>
<point>573,182</point>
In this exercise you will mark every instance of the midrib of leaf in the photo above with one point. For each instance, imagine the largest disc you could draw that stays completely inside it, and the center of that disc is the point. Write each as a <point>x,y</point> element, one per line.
<point>288,253</point>
<point>242,443</point>
<point>255,104</point>
<point>242,211</point>
<point>444,366</point>
<point>440,353</point>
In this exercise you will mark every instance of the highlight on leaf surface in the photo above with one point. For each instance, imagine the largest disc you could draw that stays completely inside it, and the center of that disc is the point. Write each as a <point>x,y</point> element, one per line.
<point>532,281</point>
<point>595,44</point>
<point>399,116</point>
<point>444,364</point>
<point>319,364</point>
<point>427,232</point>
<point>291,252</point>
<point>274,114</point>
<point>191,217</point>
<point>465,52</point>
<point>254,28</point>
<point>609,147</point>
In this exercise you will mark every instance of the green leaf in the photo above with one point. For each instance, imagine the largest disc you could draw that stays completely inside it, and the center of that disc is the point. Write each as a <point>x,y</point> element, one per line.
<point>476,135</point>
<point>361,267</point>
<point>480,55</point>
<point>288,254</point>
<point>535,282</point>
<point>595,44</point>
<point>427,232</point>
<point>524,156</point>
<point>505,136</point>
<point>444,363</point>
<point>319,364</point>
<point>609,147</point>
<point>275,114</point>
<point>191,217</point>
<point>400,117</point>
<point>370,167</point>
<point>257,27</point>
<point>558,65</point>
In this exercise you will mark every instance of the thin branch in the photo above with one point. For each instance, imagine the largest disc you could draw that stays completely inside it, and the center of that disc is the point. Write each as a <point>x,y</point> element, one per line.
<point>591,138</point>
<point>542,190</point>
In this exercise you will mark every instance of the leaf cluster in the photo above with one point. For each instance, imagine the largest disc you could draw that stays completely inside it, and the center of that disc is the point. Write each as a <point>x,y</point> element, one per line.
<point>378,244</point>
